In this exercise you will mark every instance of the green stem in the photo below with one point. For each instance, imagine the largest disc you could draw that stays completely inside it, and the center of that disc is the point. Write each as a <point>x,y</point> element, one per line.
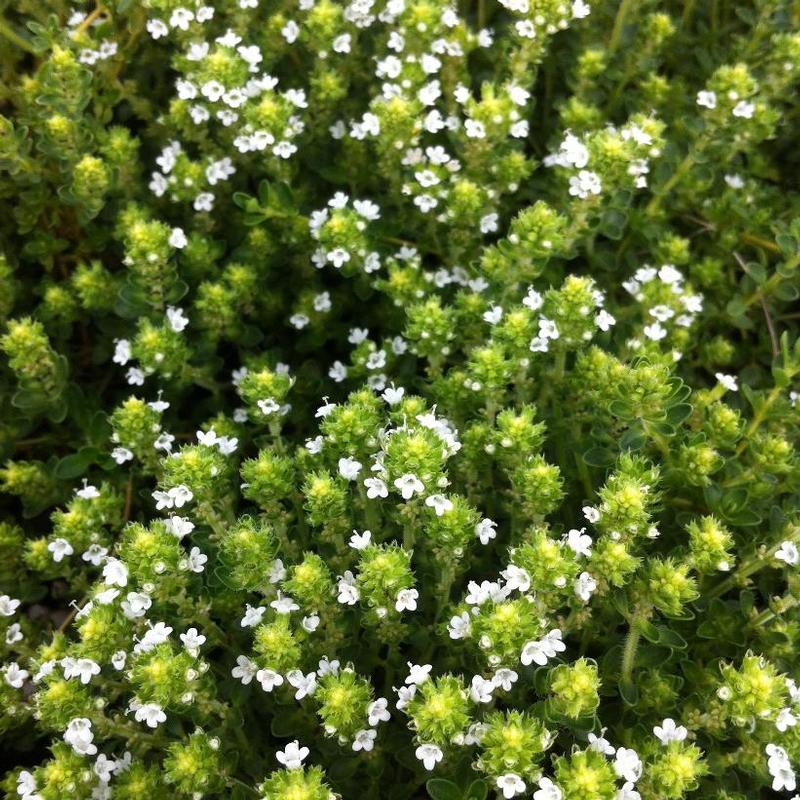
<point>9,33</point>
<point>780,606</point>
<point>745,570</point>
<point>619,24</point>
<point>758,419</point>
<point>631,646</point>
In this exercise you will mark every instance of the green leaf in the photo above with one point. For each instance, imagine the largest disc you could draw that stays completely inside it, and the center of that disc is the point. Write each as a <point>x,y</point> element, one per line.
<point>242,200</point>
<point>442,789</point>
<point>75,465</point>
<point>599,457</point>
<point>678,413</point>
<point>629,692</point>
<point>668,638</point>
<point>478,790</point>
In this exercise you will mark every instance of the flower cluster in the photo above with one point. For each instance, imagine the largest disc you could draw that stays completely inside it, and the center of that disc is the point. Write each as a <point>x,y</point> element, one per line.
<point>399,399</point>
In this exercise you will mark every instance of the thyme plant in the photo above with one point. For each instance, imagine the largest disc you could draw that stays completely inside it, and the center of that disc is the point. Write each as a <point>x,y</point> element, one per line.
<point>399,399</point>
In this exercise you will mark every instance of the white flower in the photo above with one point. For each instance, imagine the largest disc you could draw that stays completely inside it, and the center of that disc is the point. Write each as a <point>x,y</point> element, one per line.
<point>668,732</point>
<point>788,553</point>
<point>121,455</point>
<point>405,694</point>
<point>407,600</point>
<point>591,514</point>
<point>157,28</point>
<point>533,300</point>
<point>284,604</point>
<point>573,152</point>
<point>359,541</point>
<point>516,578</point>
<point>580,9</point>
<point>785,720</point>
<point>367,209</point>
<point>204,202</point>
<point>783,777</point>
<point>459,626</point>
<point>83,668</point>
<point>156,635</point>
<point>60,548</point>
<point>180,495</point>
<point>193,640</point>
<point>79,736</point>
<point>418,673</point>
<point>734,181</point>
<point>177,238</point>
<point>474,129</point>
<point>439,503</point>
<point>429,754</point>
<point>376,488</point>
<point>8,605</point>
<point>600,744</point>
<point>655,332</point>
<point>505,678</point>
<point>178,526</point>
<point>26,786</point>
<point>409,485</point>
<point>180,18</point>
<point>268,406</point>
<point>196,560</point>
<point>547,790</point>
<point>14,633</point>
<point>252,616</point>
<point>378,711</point>
<point>728,381</point>
<point>269,679</point>
<point>392,395</point>
<point>481,689</point>
<point>539,652</point>
<point>176,318</point>
<point>327,667</point>
<point>305,685</point>
<point>707,99</point>
<point>628,792</point>
<point>364,740</point>
<point>488,223</point>
<point>15,676</point>
<point>88,492</point>
<point>744,109</point>
<point>151,714</point>
<point>277,572</point>
<point>245,670</point>
<point>349,468</point>
<point>585,183</point>
<point>485,530</point>
<point>585,586</point>
<point>310,623</point>
<point>290,31</point>
<point>348,591</point>
<point>579,542</point>
<point>510,785</point>
<point>604,320</point>
<point>627,764</point>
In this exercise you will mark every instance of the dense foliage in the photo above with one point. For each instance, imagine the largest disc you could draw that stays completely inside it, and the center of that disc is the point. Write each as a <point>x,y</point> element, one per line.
<point>398,398</point>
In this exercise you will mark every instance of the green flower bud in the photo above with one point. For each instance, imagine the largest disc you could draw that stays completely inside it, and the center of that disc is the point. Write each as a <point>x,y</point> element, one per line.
<point>512,741</point>
<point>297,784</point>
<point>275,646</point>
<point>574,688</point>
<point>344,699</point>
<point>194,765</point>
<point>439,711</point>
